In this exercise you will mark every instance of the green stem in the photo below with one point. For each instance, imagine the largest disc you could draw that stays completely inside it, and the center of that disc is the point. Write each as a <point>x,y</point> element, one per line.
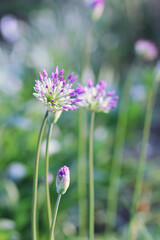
<point>91,181</point>
<point>35,183</point>
<point>46,175</point>
<point>82,143</point>
<point>142,159</point>
<point>54,217</point>
<point>82,172</point>
<point>86,51</point>
<point>112,199</point>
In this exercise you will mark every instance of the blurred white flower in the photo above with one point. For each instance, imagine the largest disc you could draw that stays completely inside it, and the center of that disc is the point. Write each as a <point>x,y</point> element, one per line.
<point>100,133</point>
<point>16,171</point>
<point>35,57</point>
<point>10,84</point>
<point>138,93</point>
<point>69,228</point>
<point>9,28</point>
<point>54,147</point>
<point>7,224</point>
<point>20,122</point>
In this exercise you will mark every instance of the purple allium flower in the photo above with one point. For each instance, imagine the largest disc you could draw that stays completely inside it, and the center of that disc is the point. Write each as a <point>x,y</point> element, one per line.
<point>146,49</point>
<point>96,99</point>
<point>55,92</point>
<point>63,180</point>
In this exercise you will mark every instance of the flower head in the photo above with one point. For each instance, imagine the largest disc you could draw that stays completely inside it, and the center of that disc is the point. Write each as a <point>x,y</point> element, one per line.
<point>96,99</point>
<point>146,49</point>
<point>63,180</point>
<point>56,92</point>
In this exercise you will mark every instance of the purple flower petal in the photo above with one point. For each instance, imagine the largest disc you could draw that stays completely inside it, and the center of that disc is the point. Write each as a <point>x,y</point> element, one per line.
<point>45,73</point>
<point>52,75</point>
<point>61,72</point>
<point>73,79</point>
<point>40,76</point>
<point>90,83</point>
<point>56,72</point>
<point>70,76</point>
<point>110,94</point>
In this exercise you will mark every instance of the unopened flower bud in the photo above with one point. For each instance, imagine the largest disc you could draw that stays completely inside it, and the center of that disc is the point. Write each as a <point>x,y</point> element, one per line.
<point>98,8</point>
<point>63,180</point>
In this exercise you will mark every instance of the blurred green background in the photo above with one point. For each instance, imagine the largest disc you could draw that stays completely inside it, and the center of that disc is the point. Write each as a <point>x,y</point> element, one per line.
<point>42,34</point>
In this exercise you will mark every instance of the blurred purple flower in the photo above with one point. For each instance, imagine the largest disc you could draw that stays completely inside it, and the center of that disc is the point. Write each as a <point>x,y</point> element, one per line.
<point>56,92</point>
<point>97,2</point>
<point>157,70</point>
<point>63,180</point>
<point>96,99</point>
<point>146,49</point>
<point>97,7</point>
<point>157,67</point>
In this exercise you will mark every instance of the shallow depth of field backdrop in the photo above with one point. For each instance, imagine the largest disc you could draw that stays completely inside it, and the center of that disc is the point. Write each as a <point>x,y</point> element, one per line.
<point>42,34</point>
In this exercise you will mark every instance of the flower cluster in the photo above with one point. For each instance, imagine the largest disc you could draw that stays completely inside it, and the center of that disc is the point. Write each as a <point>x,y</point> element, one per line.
<point>96,99</point>
<point>146,49</point>
<point>63,180</point>
<point>56,92</point>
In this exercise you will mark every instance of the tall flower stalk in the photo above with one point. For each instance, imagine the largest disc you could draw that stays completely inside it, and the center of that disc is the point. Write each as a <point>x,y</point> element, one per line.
<point>51,237</point>
<point>112,199</point>
<point>82,144</point>
<point>95,99</point>
<point>46,175</point>
<point>143,153</point>
<point>91,180</point>
<point>35,181</point>
<point>97,8</point>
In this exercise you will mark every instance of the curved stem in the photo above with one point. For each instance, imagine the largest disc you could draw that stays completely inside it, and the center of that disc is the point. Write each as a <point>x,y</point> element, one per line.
<point>35,182</point>
<point>51,237</point>
<point>142,159</point>
<point>46,175</point>
<point>91,181</point>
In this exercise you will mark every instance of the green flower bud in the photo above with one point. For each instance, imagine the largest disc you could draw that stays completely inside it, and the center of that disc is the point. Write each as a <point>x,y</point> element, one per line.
<point>54,116</point>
